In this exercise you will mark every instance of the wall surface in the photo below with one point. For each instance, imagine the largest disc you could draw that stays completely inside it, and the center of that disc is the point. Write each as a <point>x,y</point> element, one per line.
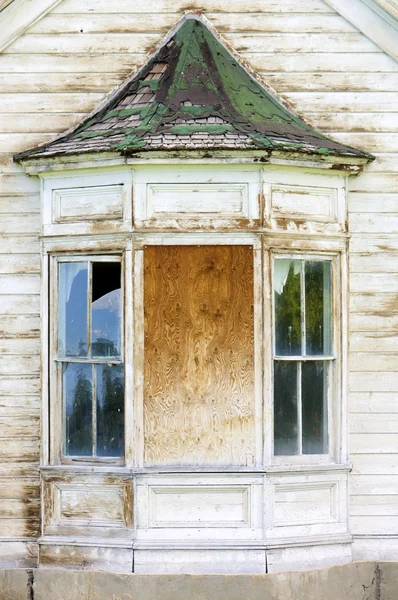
<point>61,68</point>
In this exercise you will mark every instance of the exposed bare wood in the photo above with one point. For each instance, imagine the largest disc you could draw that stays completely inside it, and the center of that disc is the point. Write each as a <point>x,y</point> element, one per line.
<point>199,404</point>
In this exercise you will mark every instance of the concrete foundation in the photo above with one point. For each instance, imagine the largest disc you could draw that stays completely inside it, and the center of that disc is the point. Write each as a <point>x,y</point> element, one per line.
<point>356,581</point>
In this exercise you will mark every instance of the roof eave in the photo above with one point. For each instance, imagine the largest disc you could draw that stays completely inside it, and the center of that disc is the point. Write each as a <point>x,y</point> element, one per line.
<point>351,165</point>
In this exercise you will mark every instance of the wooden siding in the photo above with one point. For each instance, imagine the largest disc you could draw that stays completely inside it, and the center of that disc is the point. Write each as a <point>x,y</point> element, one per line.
<point>333,75</point>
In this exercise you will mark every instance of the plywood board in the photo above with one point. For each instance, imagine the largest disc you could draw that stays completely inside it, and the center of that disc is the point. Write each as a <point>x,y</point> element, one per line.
<point>199,355</point>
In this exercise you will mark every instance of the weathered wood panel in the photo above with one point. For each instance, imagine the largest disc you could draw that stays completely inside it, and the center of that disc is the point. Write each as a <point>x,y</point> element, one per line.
<point>199,404</point>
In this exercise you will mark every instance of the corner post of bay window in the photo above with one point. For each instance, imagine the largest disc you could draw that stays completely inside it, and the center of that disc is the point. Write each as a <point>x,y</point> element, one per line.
<point>268,370</point>
<point>343,342</point>
<point>129,398</point>
<point>44,362</point>
<point>138,353</point>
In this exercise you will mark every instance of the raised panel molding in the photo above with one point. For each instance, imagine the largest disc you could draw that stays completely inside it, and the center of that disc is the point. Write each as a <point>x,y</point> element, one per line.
<point>196,198</point>
<point>302,506</point>
<point>195,508</point>
<point>88,506</point>
<point>313,203</point>
<point>204,506</point>
<point>87,203</point>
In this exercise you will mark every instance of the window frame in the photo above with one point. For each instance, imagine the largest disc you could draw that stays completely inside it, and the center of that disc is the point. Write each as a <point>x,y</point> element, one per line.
<point>334,358</point>
<point>130,250</point>
<point>56,400</point>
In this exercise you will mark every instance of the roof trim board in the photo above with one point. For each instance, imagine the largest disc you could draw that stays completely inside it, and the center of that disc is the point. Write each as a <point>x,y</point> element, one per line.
<point>372,20</point>
<point>19,15</point>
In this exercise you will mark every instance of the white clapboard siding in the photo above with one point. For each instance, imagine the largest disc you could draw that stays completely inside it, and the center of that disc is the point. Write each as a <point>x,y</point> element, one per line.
<point>225,22</point>
<point>341,82</point>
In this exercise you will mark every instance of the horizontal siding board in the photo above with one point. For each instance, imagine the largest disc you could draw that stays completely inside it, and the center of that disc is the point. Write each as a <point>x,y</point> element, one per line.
<point>223,6</point>
<point>375,465</point>
<point>376,303</point>
<point>42,123</point>
<point>54,102</point>
<point>371,142</point>
<point>145,21</point>
<point>374,342</point>
<point>22,527</point>
<point>23,404</point>
<point>374,484</point>
<point>323,82</point>
<point>27,204</point>
<point>354,122</point>
<point>22,223</point>
<point>19,427</point>
<point>344,101</point>
<point>19,365</point>
<point>375,202</point>
<point>369,361</point>
<point>362,381</point>
<point>27,488</point>
<point>20,346</point>
<point>138,42</point>
<point>14,385</point>
<point>373,243</point>
<point>24,244</point>
<point>19,325</point>
<point>373,223</point>
<point>369,263</point>
<point>374,423</point>
<point>373,443</point>
<point>365,322</point>
<point>374,506</point>
<point>71,62</point>
<point>374,402</point>
<point>373,282</point>
<point>17,142</point>
<point>375,182</point>
<point>19,263</point>
<point>15,83</point>
<point>19,450</point>
<point>20,284</point>
<point>373,525</point>
<point>19,305</point>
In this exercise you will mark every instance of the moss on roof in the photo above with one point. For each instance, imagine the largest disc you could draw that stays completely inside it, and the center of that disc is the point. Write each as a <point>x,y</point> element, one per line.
<point>192,94</point>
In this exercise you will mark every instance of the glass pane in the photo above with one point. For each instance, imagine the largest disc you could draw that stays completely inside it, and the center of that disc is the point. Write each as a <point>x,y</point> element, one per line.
<point>106,309</point>
<point>285,408</point>
<point>77,388</point>
<point>110,410</point>
<point>318,308</point>
<point>72,320</point>
<point>287,286</point>
<point>314,407</point>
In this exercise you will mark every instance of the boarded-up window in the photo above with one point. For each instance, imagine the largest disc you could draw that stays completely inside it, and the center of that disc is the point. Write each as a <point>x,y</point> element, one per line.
<point>199,355</point>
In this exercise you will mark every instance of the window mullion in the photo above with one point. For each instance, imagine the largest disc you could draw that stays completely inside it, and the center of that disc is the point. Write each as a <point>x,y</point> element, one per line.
<point>94,408</point>
<point>299,411</point>
<point>89,300</point>
<point>303,320</point>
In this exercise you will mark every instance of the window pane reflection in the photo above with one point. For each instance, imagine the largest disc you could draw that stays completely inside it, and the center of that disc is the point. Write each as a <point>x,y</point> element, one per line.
<point>287,286</point>
<point>110,410</point>
<point>106,309</point>
<point>314,407</point>
<point>77,391</point>
<point>72,324</point>
<point>285,408</point>
<point>318,304</point>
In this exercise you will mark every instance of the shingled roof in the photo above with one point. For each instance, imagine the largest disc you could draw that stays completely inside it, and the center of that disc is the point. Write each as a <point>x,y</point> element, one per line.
<point>192,94</point>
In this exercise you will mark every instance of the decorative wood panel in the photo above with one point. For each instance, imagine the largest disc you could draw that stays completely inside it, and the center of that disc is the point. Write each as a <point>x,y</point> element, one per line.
<point>305,505</point>
<point>206,197</point>
<point>204,506</point>
<point>81,204</point>
<point>87,505</point>
<point>316,204</point>
<point>199,355</point>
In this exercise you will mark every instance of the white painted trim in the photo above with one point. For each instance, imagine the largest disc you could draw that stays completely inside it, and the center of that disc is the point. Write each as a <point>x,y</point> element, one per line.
<point>382,31</point>
<point>19,15</point>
